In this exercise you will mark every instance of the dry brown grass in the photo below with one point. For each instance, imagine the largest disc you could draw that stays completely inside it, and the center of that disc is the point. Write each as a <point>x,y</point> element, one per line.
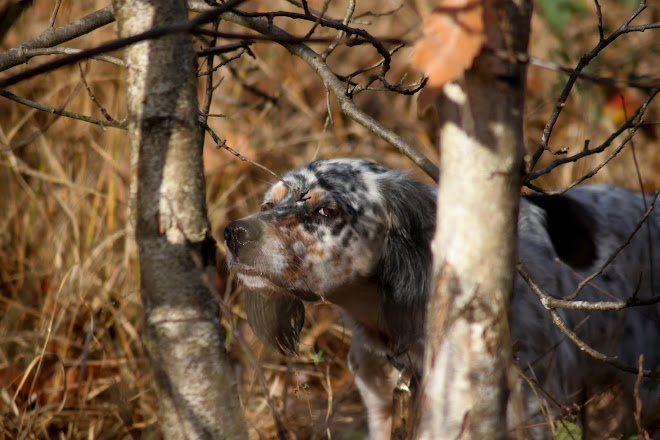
<point>71,362</point>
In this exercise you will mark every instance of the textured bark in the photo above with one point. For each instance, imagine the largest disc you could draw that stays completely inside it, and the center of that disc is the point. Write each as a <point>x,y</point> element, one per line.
<point>466,388</point>
<point>194,382</point>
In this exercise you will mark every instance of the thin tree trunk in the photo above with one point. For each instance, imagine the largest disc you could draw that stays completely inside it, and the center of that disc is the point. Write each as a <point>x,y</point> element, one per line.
<point>466,388</point>
<point>195,386</point>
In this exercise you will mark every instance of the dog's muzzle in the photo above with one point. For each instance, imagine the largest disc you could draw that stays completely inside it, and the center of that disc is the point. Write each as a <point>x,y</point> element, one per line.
<point>241,233</point>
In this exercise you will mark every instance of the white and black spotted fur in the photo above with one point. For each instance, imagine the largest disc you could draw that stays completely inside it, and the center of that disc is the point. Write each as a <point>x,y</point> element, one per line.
<point>356,234</point>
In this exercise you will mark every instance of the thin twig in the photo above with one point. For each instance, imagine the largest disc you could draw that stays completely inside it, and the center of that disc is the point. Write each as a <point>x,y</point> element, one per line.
<point>350,9</point>
<point>49,123</point>
<point>300,193</point>
<point>223,63</point>
<point>358,87</point>
<point>409,89</point>
<point>93,98</point>
<point>333,84</point>
<point>217,50</point>
<point>248,87</point>
<point>598,167</point>
<point>54,36</point>
<point>319,17</point>
<point>561,102</point>
<point>599,14</point>
<point>53,16</point>
<point>159,31</point>
<point>596,306</point>
<point>365,36</point>
<point>611,258</point>
<point>31,53</point>
<point>640,182</point>
<point>629,123</point>
<point>545,300</point>
<point>638,401</point>
<point>60,112</point>
<point>311,12</point>
<point>641,27</point>
<point>637,83</point>
<point>209,89</point>
<point>271,32</point>
<point>380,14</point>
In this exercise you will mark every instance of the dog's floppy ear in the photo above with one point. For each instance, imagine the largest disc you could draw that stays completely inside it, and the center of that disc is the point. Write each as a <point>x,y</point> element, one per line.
<point>404,270</point>
<point>277,321</point>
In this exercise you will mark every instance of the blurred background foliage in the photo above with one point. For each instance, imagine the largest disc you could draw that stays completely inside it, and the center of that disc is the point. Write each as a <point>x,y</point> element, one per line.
<point>71,362</point>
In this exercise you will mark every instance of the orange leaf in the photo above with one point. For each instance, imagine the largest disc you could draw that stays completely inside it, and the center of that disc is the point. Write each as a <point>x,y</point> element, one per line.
<point>620,105</point>
<point>453,36</point>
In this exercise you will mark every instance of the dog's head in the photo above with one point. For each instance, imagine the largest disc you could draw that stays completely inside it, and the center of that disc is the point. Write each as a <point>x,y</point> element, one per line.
<point>336,227</point>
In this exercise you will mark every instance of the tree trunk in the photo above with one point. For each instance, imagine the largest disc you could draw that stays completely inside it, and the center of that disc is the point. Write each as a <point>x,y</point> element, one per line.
<point>195,386</point>
<point>469,348</point>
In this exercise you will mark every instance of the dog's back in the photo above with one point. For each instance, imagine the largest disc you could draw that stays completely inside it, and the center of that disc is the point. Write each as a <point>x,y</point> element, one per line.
<point>562,240</point>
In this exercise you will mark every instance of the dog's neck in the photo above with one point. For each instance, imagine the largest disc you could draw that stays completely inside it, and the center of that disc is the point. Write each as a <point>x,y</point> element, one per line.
<point>361,301</point>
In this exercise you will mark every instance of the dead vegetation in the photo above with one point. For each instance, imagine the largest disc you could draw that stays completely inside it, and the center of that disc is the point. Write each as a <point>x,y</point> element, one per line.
<point>71,361</point>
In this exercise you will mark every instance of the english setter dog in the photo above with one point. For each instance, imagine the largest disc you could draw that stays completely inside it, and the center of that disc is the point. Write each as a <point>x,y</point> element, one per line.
<point>358,235</point>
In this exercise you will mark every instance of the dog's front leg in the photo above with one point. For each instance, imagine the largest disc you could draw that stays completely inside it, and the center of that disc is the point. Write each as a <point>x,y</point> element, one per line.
<point>376,378</point>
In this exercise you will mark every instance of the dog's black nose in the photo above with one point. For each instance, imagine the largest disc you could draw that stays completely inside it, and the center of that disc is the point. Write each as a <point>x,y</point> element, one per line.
<point>240,232</point>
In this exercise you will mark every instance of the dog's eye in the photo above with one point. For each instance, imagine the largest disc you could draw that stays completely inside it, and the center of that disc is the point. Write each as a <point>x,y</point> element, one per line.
<point>328,212</point>
<point>266,206</point>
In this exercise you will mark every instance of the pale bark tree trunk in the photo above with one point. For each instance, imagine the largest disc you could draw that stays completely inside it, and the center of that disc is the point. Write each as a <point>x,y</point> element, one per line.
<point>466,388</point>
<point>195,386</point>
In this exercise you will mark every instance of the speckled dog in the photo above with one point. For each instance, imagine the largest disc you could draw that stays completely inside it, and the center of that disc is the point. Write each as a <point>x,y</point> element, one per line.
<point>358,235</point>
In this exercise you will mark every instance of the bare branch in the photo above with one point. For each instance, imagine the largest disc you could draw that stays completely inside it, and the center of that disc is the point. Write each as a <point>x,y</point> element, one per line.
<point>217,50</point>
<point>209,89</point>
<point>354,36</point>
<point>545,300</point>
<point>319,17</point>
<point>552,302</point>
<point>638,401</point>
<point>639,83</point>
<point>314,60</point>
<point>208,15</point>
<point>584,61</point>
<point>616,252</point>
<point>333,84</point>
<point>629,123</point>
<point>223,144</point>
<point>640,182</point>
<point>351,32</point>
<point>53,16</point>
<point>379,14</point>
<point>599,14</point>
<point>642,27</point>
<point>223,63</point>
<point>350,9</point>
<point>60,112</point>
<point>91,95</point>
<point>598,167</point>
<point>54,36</point>
<point>31,53</point>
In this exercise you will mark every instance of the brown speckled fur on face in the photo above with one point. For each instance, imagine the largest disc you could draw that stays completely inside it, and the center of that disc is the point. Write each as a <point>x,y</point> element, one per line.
<point>302,249</point>
<point>359,237</point>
